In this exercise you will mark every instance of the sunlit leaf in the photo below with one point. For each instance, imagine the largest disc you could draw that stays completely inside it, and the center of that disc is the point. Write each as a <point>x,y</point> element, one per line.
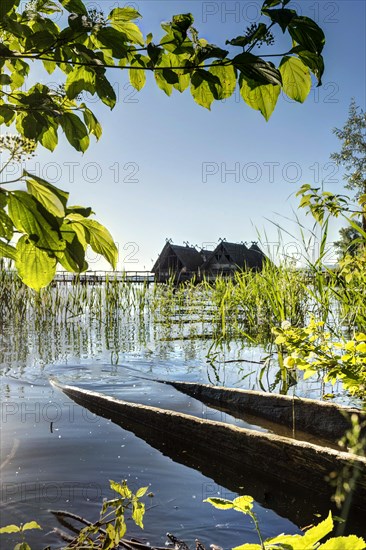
<point>262,98</point>
<point>46,197</point>
<point>204,87</point>
<point>6,226</point>
<point>120,488</point>
<point>31,525</point>
<point>248,546</point>
<point>227,77</point>
<point>79,80</point>
<point>75,131</point>
<point>220,503</point>
<point>35,267</point>
<point>101,241</point>
<point>243,504</point>
<point>49,138</point>
<point>344,543</point>
<point>138,511</point>
<point>137,75</point>
<point>27,218</point>
<point>9,528</point>
<point>6,6</point>
<point>7,251</point>
<point>141,492</point>
<point>74,6</point>
<point>296,78</point>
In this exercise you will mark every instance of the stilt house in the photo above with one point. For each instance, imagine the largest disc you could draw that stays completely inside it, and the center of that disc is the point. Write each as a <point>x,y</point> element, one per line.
<point>185,262</point>
<point>180,262</point>
<point>230,257</point>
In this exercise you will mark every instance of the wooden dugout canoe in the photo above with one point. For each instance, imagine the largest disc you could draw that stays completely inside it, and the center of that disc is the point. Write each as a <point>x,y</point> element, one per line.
<point>281,473</point>
<point>300,417</point>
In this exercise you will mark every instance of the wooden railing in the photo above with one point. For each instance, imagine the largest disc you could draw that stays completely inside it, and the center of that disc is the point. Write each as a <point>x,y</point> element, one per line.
<point>97,277</point>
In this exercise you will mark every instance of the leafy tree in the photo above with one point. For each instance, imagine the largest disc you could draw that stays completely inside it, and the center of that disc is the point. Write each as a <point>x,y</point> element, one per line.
<point>350,241</point>
<point>84,51</point>
<point>353,152</point>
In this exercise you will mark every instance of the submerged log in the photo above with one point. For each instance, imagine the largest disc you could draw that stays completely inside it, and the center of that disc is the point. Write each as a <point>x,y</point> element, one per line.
<point>286,475</point>
<point>319,418</point>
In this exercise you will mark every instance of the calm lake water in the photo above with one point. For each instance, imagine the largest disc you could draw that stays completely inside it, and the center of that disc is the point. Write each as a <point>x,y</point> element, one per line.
<point>56,455</point>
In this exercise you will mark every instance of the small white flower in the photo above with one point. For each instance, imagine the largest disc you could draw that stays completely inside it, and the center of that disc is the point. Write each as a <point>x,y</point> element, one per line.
<point>285,325</point>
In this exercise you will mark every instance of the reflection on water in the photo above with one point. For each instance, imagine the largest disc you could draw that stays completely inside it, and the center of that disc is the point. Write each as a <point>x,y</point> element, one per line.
<point>57,455</point>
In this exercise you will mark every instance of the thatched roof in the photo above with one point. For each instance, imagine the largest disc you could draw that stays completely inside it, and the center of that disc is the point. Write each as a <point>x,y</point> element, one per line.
<point>189,257</point>
<point>228,255</point>
<point>236,254</point>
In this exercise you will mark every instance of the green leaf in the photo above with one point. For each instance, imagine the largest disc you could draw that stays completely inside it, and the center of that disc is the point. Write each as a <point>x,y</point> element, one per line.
<point>129,31</point>
<point>79,80</point>
<point>35,267</point>
<point>141,492</point>
<point>313,61</point>
<point>307,541</point>
<point>22,546</point>
<point>271,3</point>
<point>249,546</point>
<point>62,195</point>
<point>49,138</point>
<point>40,40</point>
<point>26,217</point>
<point>48,199</point>
<point>137,76</point>
<point>6,226</point>
<point>91,122</point>
<point>255,68</point>
<point>220,503</point>
<point>180,25</point>
<point>208,51</point>
<point>227,77</point>
<point>114,40</point>
<point>155,53</point>
<point>307,33</point>
<point>319,531</point>
<point>7,115</point>
<point>82,233</point>
<point>84,211</point>
<point>50,66</point>
<point>74,6</point>
<point>48,7</point>
<point>7,251</point>
<point>296,78</point>
<point>204,87</point>
<point>138,511</point>
<point>3,199</point>
<point>123,14</point>
<point>282,17</point>
<point>101,240</point>
<point>73,257</point>
<point>31,125</point>
<point>6,6</point>
<point>344,543</point>
<point>105,91</point>
<point>262,98</point>
<point>31,525</point>
<point>75,131</point>
<point>162,82</point>
<point>5,80</point>
<point>243,504</point>
<point>120,488</point>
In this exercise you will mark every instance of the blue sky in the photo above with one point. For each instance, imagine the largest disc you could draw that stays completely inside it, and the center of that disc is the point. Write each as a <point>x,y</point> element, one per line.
<point>166,167</point>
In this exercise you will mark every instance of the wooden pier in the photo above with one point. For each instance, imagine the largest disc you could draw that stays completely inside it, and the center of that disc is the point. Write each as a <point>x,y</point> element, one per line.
<point>100,277</point>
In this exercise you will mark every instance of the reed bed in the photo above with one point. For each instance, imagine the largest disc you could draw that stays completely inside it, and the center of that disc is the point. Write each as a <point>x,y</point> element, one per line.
<point>242,309</point>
